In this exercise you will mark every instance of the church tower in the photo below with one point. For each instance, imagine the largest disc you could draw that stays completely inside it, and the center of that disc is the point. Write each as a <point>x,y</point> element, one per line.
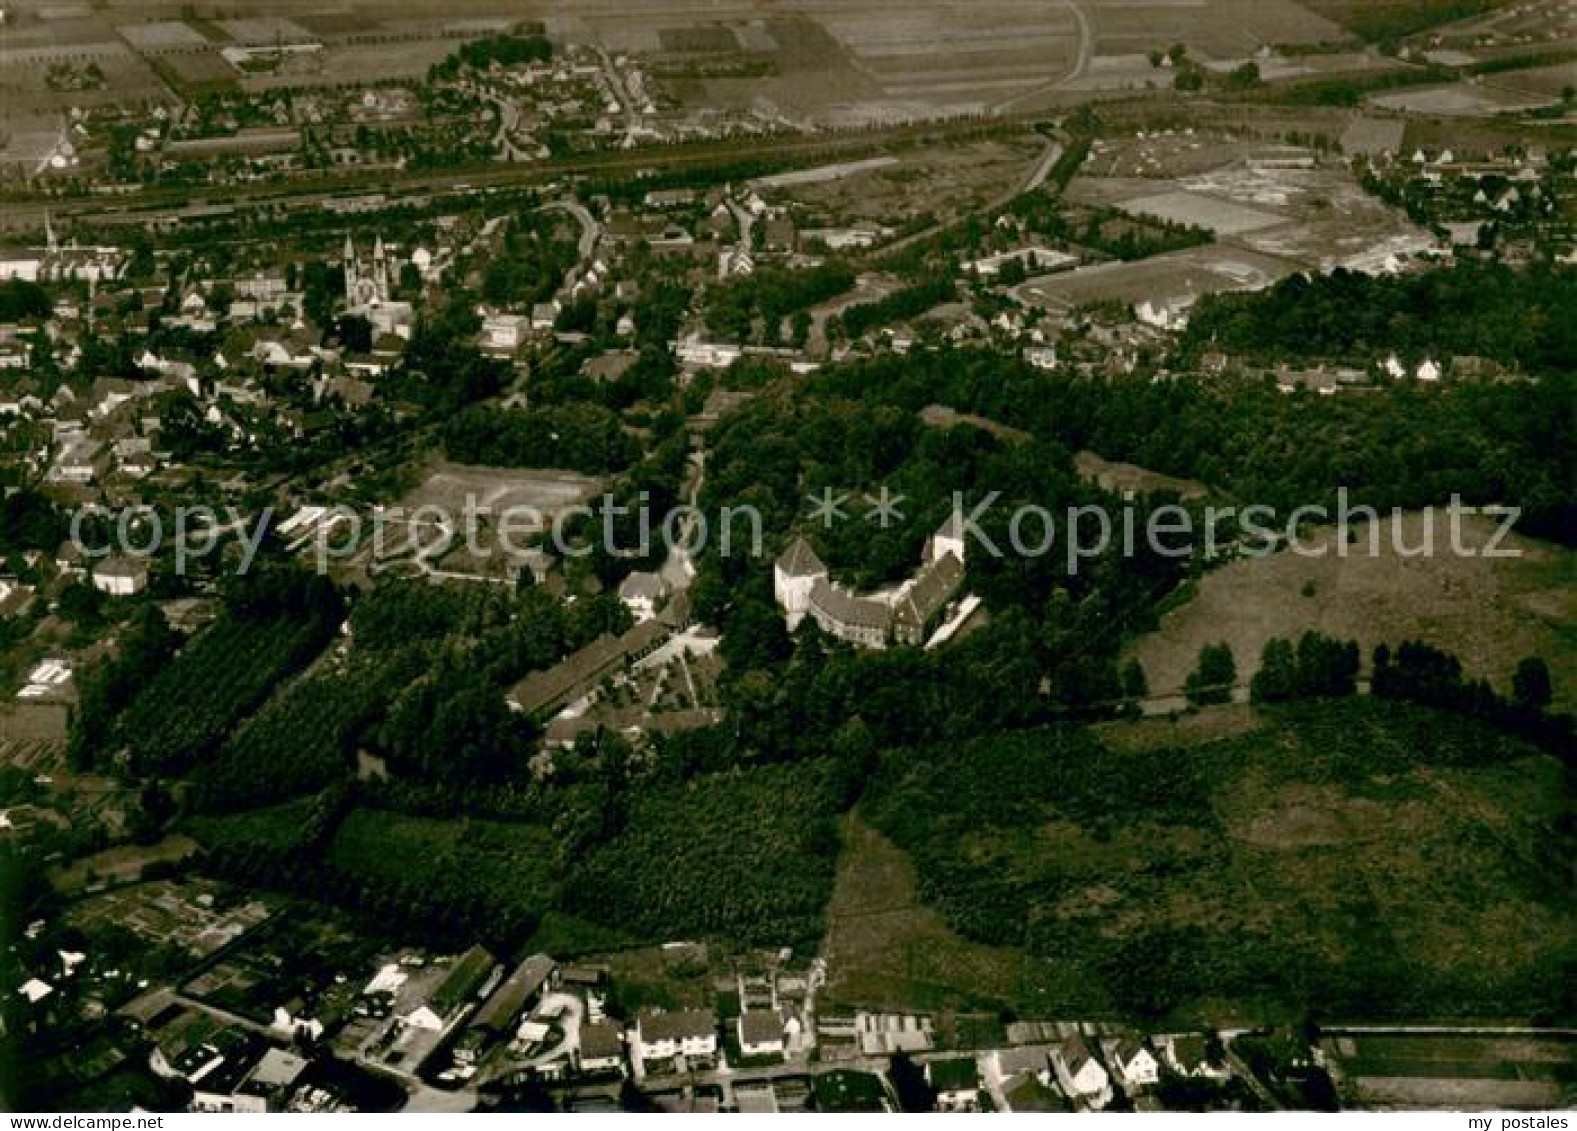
<point>366,282</point>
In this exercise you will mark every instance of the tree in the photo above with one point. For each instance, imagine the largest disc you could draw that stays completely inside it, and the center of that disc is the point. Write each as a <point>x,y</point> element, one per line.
<point>915,1093</point>
<point>1531,686</point>
<point>1277,678</point>
<point>1213,679</point>
<point>1135,684</point>
<point>355,333</point>
<point>1245,76</point>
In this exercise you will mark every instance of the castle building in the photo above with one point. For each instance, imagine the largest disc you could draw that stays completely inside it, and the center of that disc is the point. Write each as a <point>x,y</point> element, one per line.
<point>803,587</point>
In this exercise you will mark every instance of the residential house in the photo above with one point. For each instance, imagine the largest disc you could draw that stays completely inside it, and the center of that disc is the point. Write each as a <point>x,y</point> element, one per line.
<point>82,459</point>
<point>1136,1066</point>
<point>601,1049</point>
<point>15,354</point>
<point>609,366</point>
<point>505,332</point>
<point>761,1033</point>
<point>1189,1055</point>
<point>1023,1060</point>
<point>1025,1079</point>
<point>642,594</point>
<point>121,576</point>
<point>690,1033</point>
<point>1080,1075</point>
<point>545,315</point>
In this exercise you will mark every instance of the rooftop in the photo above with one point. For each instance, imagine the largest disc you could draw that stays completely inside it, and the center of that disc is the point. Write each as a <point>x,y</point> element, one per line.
<point>677,1025</point>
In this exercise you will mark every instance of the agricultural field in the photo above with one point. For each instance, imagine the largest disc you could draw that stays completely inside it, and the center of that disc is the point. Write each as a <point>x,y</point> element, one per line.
<point>372,64</point>
<point>1392,19</point>
<point>1230,29</point>
<point>1490,613</point>
<point>486,857</point>
<point>1396,1071</point>
<point>1352,858</point>
<point>746,856</point>
<point>214,683</point>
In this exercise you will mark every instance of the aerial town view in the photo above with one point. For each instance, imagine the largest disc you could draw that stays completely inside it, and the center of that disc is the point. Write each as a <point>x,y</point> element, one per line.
<point>752,556</point>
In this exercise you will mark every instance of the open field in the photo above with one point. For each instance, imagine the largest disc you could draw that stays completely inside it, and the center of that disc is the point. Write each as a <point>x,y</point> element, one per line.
<point>1178,279</point>
<point>1222,217</point>
<point>1279,200</point>
<point>451,487</point>
<point>941,180</point>
<point>119,865</point>
<point>1354,858</point>
<point>1491,614</point>
<point>1120,478</point>
<point>886,950</point>
<point>1466,99</point>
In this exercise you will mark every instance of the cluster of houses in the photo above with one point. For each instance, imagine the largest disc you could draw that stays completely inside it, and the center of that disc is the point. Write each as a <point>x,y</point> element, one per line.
<point>1080,1072</point>
<point>906,615</point>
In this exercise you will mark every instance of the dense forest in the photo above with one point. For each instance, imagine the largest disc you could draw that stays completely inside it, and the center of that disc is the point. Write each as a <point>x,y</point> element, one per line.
<point>582,437</point>
<point>909,302</point>
<point>1401,445</point>
<point>1519,318</point>
<point>753,308</point>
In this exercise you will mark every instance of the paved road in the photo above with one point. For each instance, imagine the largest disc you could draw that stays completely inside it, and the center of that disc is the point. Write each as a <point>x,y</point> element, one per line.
<point>590,230</point>
<point>1037,177</point>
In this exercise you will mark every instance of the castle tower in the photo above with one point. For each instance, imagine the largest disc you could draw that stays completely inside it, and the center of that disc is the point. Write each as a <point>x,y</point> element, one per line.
<point>794,575</point>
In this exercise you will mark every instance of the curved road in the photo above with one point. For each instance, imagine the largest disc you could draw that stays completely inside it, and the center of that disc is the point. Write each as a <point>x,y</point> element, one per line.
<point>1081,64</point>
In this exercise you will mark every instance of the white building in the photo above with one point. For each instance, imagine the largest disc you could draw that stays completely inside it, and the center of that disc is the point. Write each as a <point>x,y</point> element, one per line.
<point>120,576</point>
<point>1137,1067</point>
<point>1189,1055</point>
<point>761,1033</point>
<point>1081,1076</point>
<point>794,577</point>
<point>690,1033</point>
<point>642,594</point>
